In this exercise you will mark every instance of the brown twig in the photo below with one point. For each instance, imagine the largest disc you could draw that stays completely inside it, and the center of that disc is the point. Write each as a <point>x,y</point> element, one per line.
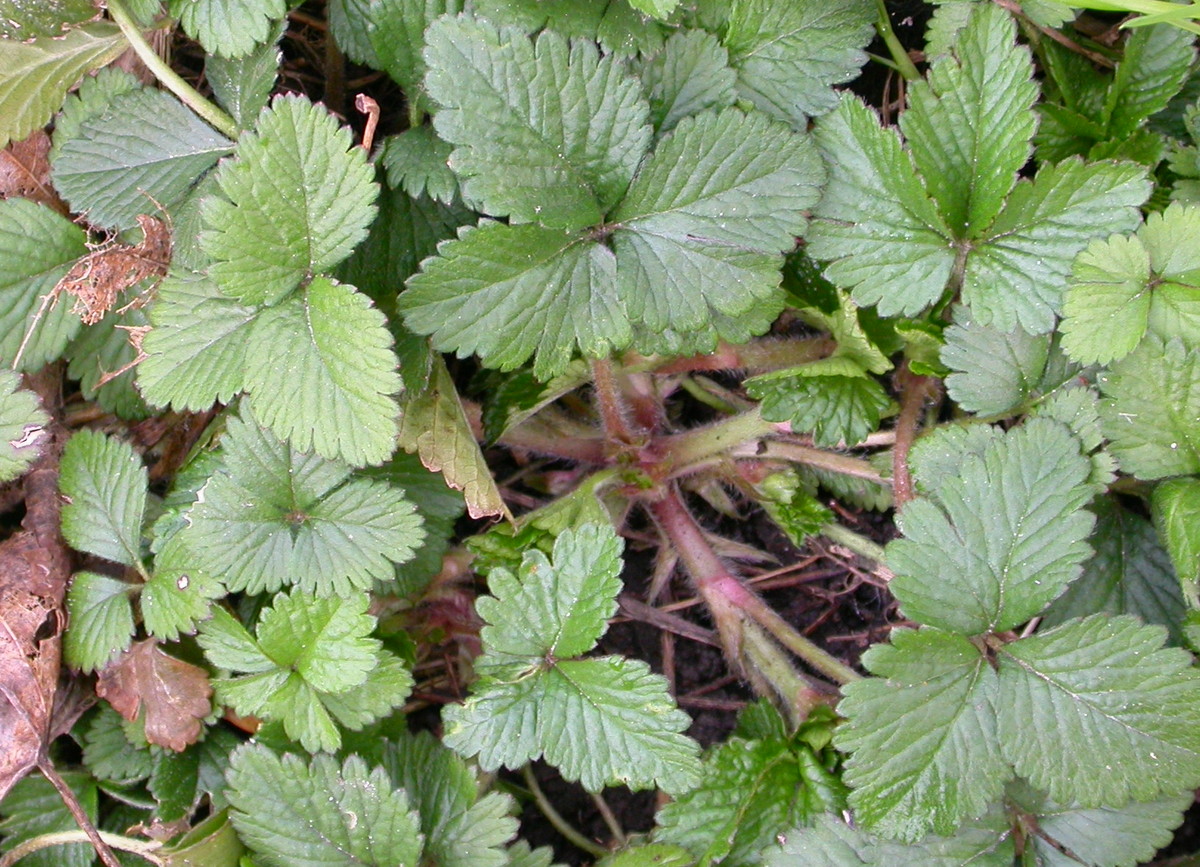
<point>914,389</point>
<point>77,812</point>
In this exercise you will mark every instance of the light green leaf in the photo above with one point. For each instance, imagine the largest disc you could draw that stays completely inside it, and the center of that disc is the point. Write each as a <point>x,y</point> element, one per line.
<point>619,28</point>
<point>789,55</point>
<point>558,608</point>
<point>101,620</point>
<point>196,348</point>
<point>416,161</point>
<point>994,372</point>
<point>178,595</point>
<point>37,248</point>
<point>273,517</point>
<point>321,372</point>
<point>1175,505</point>
<point>510,292</point>
<point>297,197</point>
<point>142,154</point>
<point>242,85</point>
<point>228,27</point>
<point>323,640</point>
<point>1108,683</point>
<point>1155,66</point>
<point>1000,539</point>
<point>655,8</point>
<point>386,688</point>
<point>36,75</point>
<point>397,34</point>
<point>104,483</point>
<point>970,121</point>
<point>544,132</point>
<point>228,645</point>
<point>690,74</point>
<point>320,815</point>
<point>922,734</point>
<point>25,21</point>
<point>1152,402</point>
<point>23,425</point>
<point>834,399</point>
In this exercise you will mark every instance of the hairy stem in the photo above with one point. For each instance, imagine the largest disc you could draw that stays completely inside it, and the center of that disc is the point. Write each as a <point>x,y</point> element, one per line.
<point>883,25</point>
<point>700,444</point>
<point>555,818</point>
<point>799,698</point>
<point>859,544</point>
<point>915,389</point>
<point>170,79</point>
<point>610,402</point>
<point>813,457</point>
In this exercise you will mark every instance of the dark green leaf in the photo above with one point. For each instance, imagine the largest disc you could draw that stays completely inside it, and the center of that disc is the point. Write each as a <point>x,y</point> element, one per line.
<point>104,483</point>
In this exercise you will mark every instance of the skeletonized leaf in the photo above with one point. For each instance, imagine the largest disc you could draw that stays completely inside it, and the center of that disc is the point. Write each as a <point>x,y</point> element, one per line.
<point>1108,683</point>
<point>104,482</point>
<point>23,425</point>
<point>228,27</point>
<point>296,198</point>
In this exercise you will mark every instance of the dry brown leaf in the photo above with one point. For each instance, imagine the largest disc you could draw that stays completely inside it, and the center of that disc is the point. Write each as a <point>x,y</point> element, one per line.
<point>174,694</point>
<point>25,171</point>
<point>108,270</point>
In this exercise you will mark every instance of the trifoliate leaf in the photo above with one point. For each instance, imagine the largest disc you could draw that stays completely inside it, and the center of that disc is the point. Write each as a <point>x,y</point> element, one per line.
<point>397,34</point>
<point>242,85</point>
<point>1122,286</point>
<point>178,595</point>
<point>922,734</point>
<point>101,620</point>
<point>1130,573</point>
<point>789,55</point>
<point>321,372</point>
<point>296,198</point>
<point>1001,539</point>
<point>543,132</point>
<point>104,483</point>
<point>23,425</point>
<point>33,807</point>
<point>1175,505</point>
<point>23,21</point>
<point>143,153</point>
<point>228,27</point>
<point>994,372</point>
<point>320,815</point>
<point>1105,682</point>
<point>1079,409</point>
<point>37,248</point>
<point>36,75</point>
<point>690,74</point>
<point>1152,402</point>
<point>196,347</point>
<point>416,161</point>
<point>969,123</point>
<point>834,399</point>
<point>337,655</point>
<point>602,721</point>
<point>272,516</point>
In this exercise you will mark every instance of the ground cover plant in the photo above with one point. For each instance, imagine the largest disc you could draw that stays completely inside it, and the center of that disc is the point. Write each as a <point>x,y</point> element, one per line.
<point>402,400</point>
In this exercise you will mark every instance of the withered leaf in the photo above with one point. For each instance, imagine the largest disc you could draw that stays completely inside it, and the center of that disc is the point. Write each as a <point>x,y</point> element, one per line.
<point>174,694</point>
<point>25,171</point>
<point>109,269</point>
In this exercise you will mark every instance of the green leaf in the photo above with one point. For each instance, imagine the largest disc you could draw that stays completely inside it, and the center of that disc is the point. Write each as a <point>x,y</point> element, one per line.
<point>544,132</point>
<point>1152,401</point>
<point>104,483</point>
<point>1130,573</point>
<point>1000,539</point>
<point>789,55</point>
<point>37,248</point>
<point>110,754</point>
<point>273,517</point>
<point>321,372</point>
<point>228,27</point>
<point>922,734</point>
<point>196,347</point>
<point>103,349</point>
<point>33,807</point>
<point>510,292</point>
<point>397,34</point>
<point>36,75</point>
<point>242,85</point>
<point>602,721</point>
<point>834,399</point>
<point>352,29</point>
<point>655,8</point>
<point>320,815</point>
<point>296,199</point>
<point>386,688</point>
<point>101,620</point>
<point>690,75</point>
<point>619,28</point>
<point>417,161</point>
<point>90,100</point>
<point>337,655</point>
<point>178,595</point>
<point>994,372</point>
<point>1175,505</point>
<point>1107,683</point>
<point>142,154</point>
<point>23,21</point>
<point>970,121</point>
<point>23,425</point>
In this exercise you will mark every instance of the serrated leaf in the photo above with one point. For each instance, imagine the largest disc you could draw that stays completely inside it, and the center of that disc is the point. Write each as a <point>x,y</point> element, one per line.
<point>24,21</point>
<point>34,807</point>
<point>178,595</point>
<point>323,640</point>
<point>351,28</point>
<point>834,399</point>
<point>36,75</point>
<point>228,27</point>
<point>618,27</point>
<point>417,161</point>
<point>387,687</point>
<point>1001,539</point>
<point>168,697</point>
<point>109,753</point>
<point>690,75</point>
<point>143,153</point>
<point>23,425</point>
<point>296,198</point>
<point>173,784</point>
<point>923,741</point>
<point>939,454</point>
<point>1130,573</point>
<point>1106,682</point>
<point>37,248</point>
<point>104,483</point>
<point>321,373</point>
<point>320,815</point>
<point>1152,402</point>
<point>789,55</point>
<point>994,372</point>
<point>1175,505</point>
<point>969,123</point>
<point>510,292</point>
<point>196,347</point>
<point>544,132</point>
<point>89,101</point>
<point>242,85</point>
<point>397,35</point>
<point>273,517</point>
<point>228,645</point>
<point>101,620</point>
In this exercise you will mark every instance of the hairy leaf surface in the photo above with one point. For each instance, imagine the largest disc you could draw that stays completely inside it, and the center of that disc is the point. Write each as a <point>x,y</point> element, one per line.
<point>104,484</point>
<point>23,425</point>
<point>228,27</point>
